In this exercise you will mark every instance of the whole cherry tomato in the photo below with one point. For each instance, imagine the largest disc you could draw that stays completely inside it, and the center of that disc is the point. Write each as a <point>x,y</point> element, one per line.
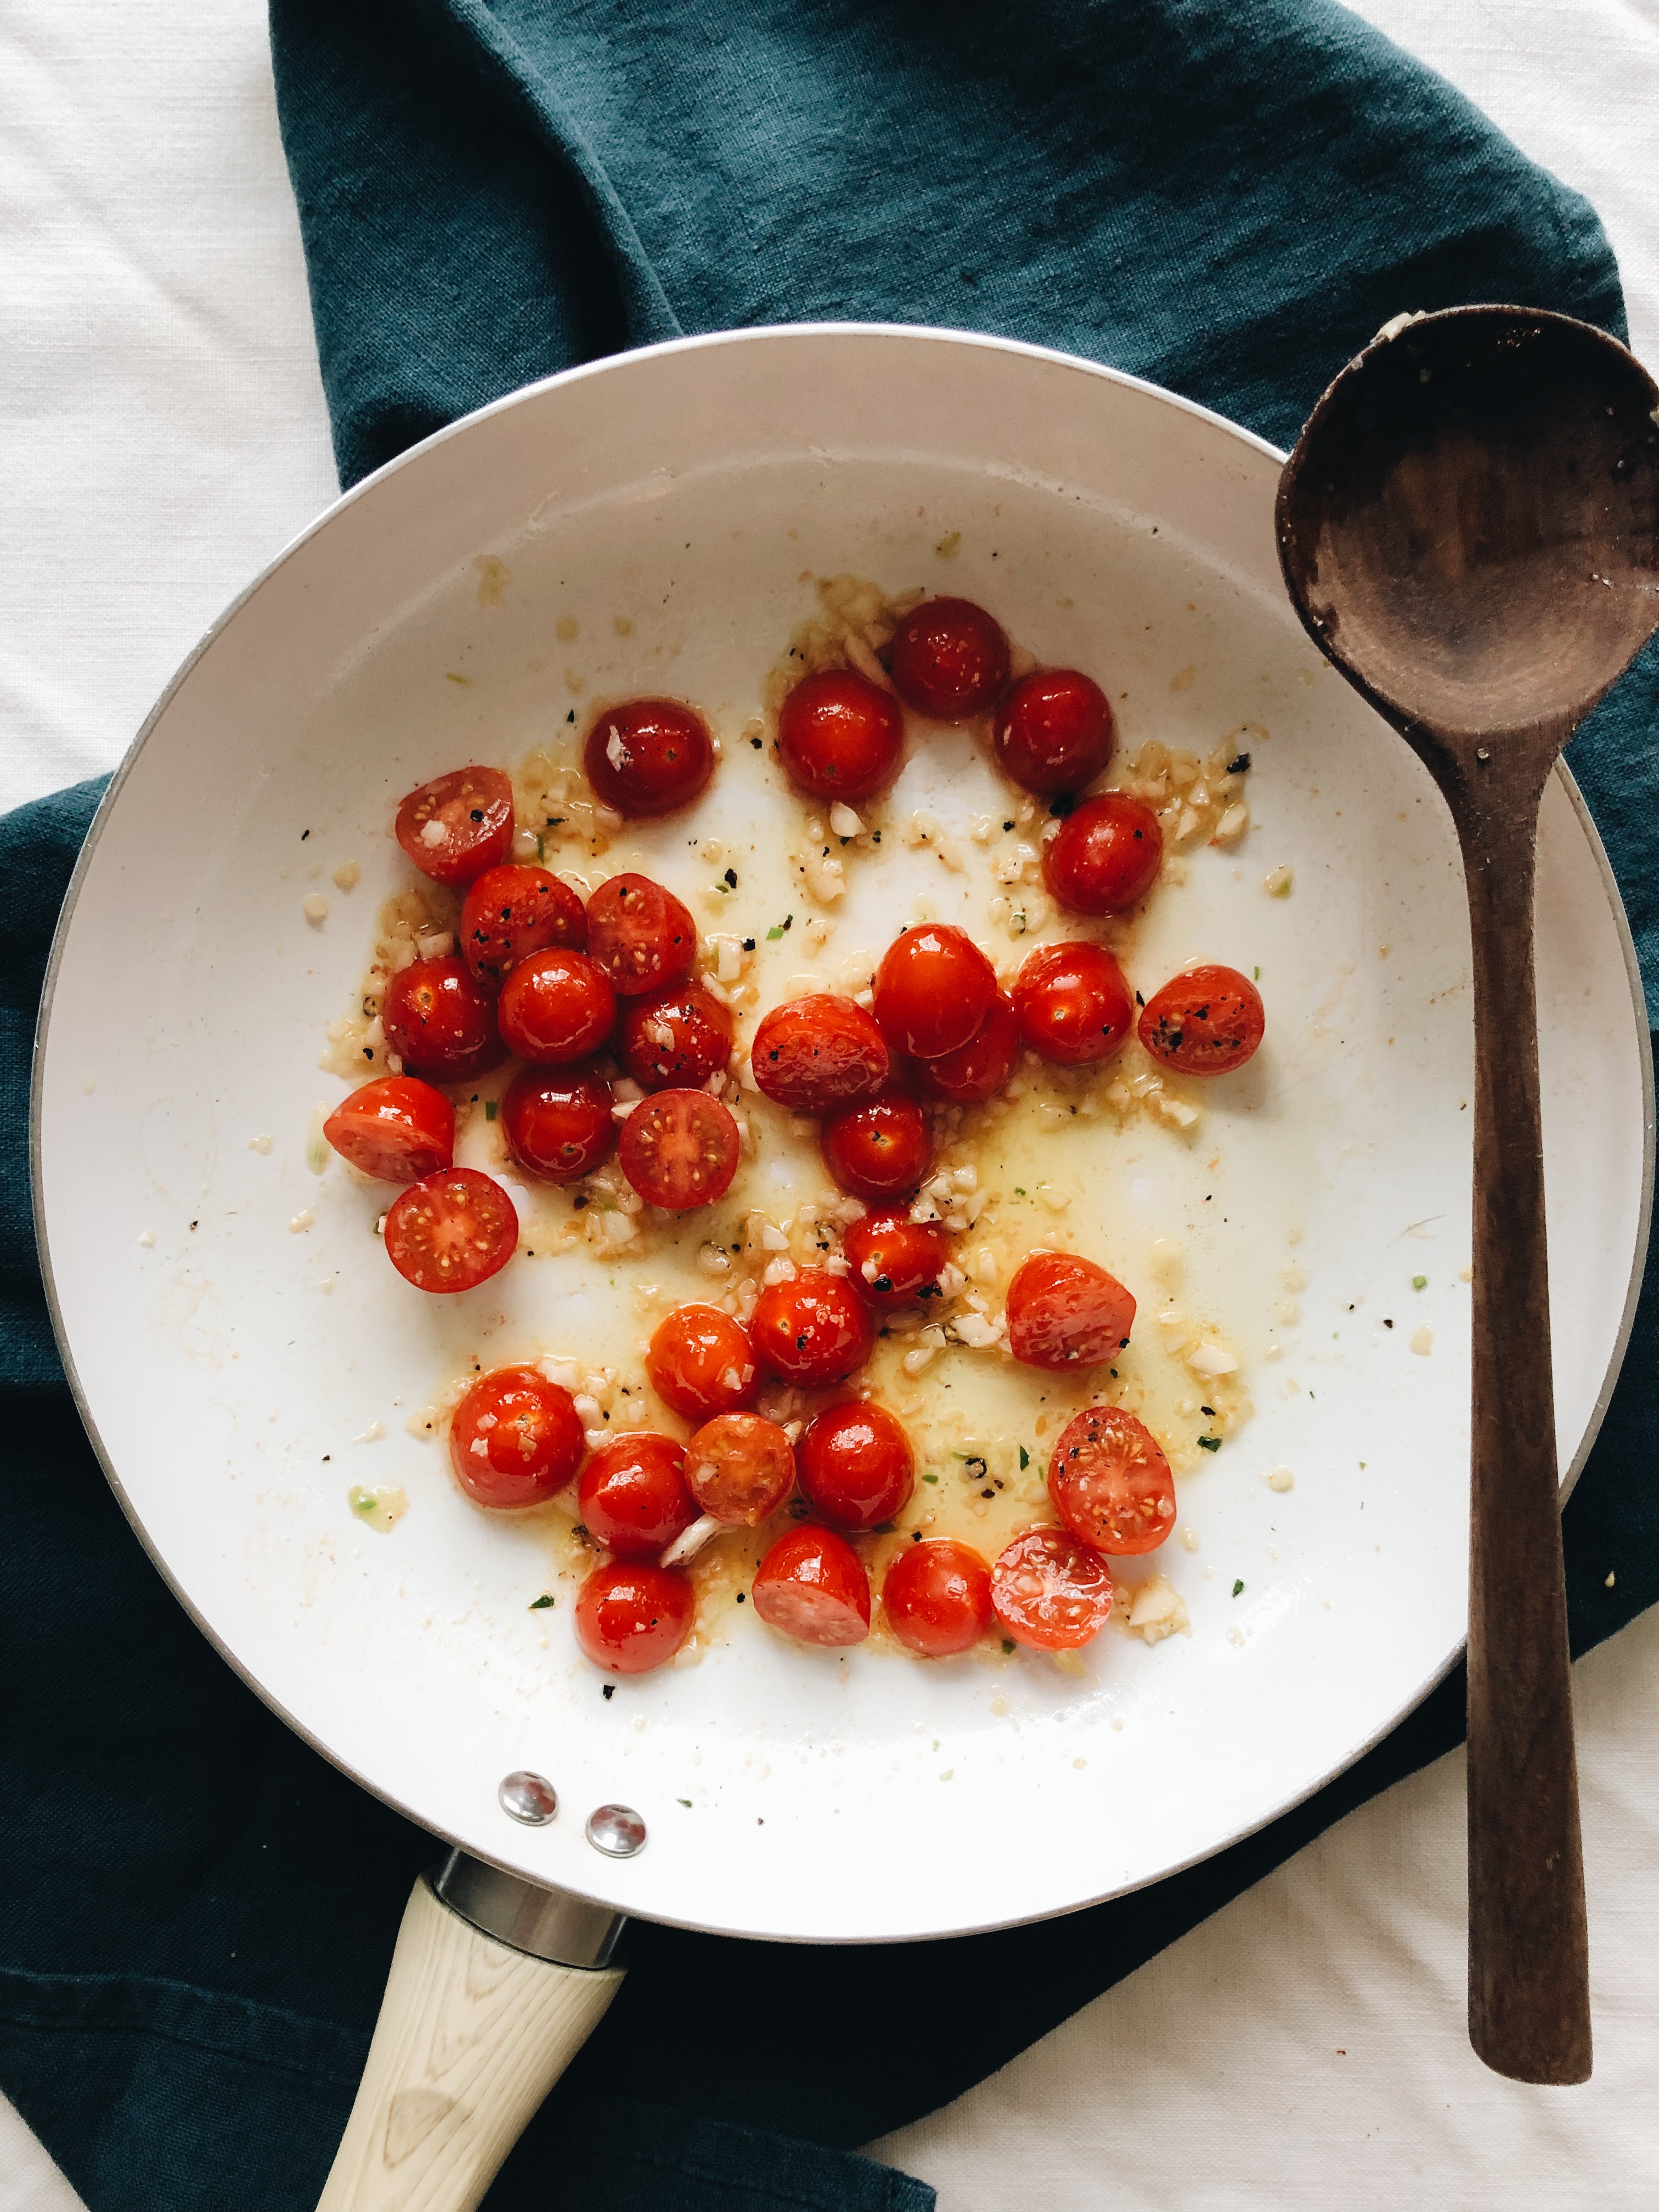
<point>458,824</point>
<point>812,1585</point>
<point>840,735</point>
<point>1110,1482</point>
<point>894,1260</point>
<point>701,1363</point>
<point>512,911</point>
<point>556,1008</point>
<point>1207,1022</point>
<point>1054,731</point>
<point>949,659</point>
<point>740,1468</point>
<point>679,1149</point>
<point>818,1054</point>
<point>1072,1003</point>
<point>1051,1592</point>
<point>854,1465</point>
<point>515,1439</point>
<point>882,1149</point>
<point>811,1331</point>
<point>648,756</point>
<point>632,1616</point>
<point>451,1231</point>
<point>640,935</point>
<point>674,1039</point>
<point>558,1122</point>
<point>1066,1312</point>
<point>397,1129</point>
<point>439,1022</point>
<point>633,1496</point>
<point>933,988</point>
<point>937,1597</point>
<point>975,1070</point>
<point>1106,855</point>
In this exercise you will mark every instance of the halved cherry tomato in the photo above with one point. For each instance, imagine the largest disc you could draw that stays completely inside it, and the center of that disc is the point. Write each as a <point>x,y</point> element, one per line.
<point>397,1129</point>
<point>818,1054</point>
<point>674,1039</point>
<point>510,912</point>
<point>893,1258</point>
<point>640,935</point>
<point>1207,1022</point>
<point>975,1070</point>
<point>648,756</point>
<point>439,1022</point>
<point>556,1008</point>
<point>1072,1003</point>
<point>458,824</point>
<point>937,1597</point>
<point>811,1331</point>
<point>680,1149</point>
<point>1066,1312</point>
<point>933,988</point>
<point>1106,855</point>
<point>880,1149</point>
<point>632,1616</point>
<point>558,1123</point>
<point>812,1585</point>
<point>1110,1482</point>
<point>451,1231</point>
<point>949,659</point>
<point>516,1438</point>
<point>854,1465</point>
<point>740,1468</point>
<point>1054,731</point>
<point>632,1496</point>
<point>840,735</point>
<point>1051,1592</point>
<point>701,1363</point>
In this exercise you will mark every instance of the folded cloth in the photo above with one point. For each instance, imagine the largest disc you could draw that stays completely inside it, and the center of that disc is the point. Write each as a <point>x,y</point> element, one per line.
<point>1229,199</point>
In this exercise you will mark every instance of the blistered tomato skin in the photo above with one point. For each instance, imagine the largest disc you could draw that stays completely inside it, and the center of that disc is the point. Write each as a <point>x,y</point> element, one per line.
<point>1066,1312</point>
<point>1072,1004</point>
<point>640,935</point>
<point>701,1363</point>
<point>559,1124</point>
<point>679,1149</point>
<point>892,1259</point>
<point>458,824</point>
<point>880,1150</point>
<point>515,1439</point>
<point>975,1070</point>
<point>631,1617</point>
<point>740,1468</point>
<point>1207,1022</point>
<point>818,1054</point>
<point>675,1039</point>
<point>812,1585</point>
<point>855,1466</point>
<point>648,756</point>
<point>510,912</point>
<point>397,1129</point>
<point>451,1231</point>
<point>1054,731</point>
<point>933,988</point>
<point>1111,1484</point>
<point>1050,1592</point>
<point>556,1008</point>
<point>439,1022</point>
<point>632,1496</point>
<point>949,659</point>
<point>1106,857</point>
<point>937,1597</point>
<point>811,1331</point>
<point>840,735</point>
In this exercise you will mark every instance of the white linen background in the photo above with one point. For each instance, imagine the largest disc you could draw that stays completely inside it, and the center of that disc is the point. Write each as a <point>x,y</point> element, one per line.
<point>162,433</point>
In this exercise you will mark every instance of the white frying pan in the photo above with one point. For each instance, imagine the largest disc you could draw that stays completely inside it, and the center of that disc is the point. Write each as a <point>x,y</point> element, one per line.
<point>243,1356</point>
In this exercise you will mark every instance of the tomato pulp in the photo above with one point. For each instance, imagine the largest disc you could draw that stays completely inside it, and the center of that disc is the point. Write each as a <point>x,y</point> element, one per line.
<point>451,1231</point>
<point>1111,1484</point>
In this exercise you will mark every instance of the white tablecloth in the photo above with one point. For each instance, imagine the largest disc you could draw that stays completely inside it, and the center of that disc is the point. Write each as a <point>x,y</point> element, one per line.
<point>161,435</point>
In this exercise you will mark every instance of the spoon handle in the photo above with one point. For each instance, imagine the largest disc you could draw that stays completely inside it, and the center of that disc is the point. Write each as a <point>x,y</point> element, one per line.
<point>1528,1950</point>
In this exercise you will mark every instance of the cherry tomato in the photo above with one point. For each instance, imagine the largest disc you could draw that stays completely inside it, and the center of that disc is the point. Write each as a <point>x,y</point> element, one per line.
<point>1054,731</point>
<point>936,1596</point>
<point>676,1039</point>
<point>975,1070</point>
<point>812,1330</point>
<point>894,1259</point>
<point>1106,855</point>
<point>1051,1592</point>
<point>840,735</point>
<point>855,1466</point>
<point>516,1438</point>
<point>949,659</point>
<point>680,1149</point>
<point>649,756</point>
<point>556,1008</point>
<point>510,912</point>
<point>631,1616</point>
<point>881,1150</point>
<point>559,1125</point>
<point>1207,1022</point>
<point>701,1363</point>
<point>812,1585</point>
<point>632,1496</point>
<point>439,1022</point>
<point>451,1231</point>
<point>397,1129</point>
<point>458,825</point>
<point>640,935</point>
<point>1110,1482</point>
<point>1066,1312</point>
<point>1072,1003</point>
<point>740,1468</point>
<point>933,988</point>
<point>818,1054</point>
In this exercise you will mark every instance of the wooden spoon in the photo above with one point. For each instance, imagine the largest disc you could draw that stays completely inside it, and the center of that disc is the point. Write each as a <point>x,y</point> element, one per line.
<point>1469,528</point>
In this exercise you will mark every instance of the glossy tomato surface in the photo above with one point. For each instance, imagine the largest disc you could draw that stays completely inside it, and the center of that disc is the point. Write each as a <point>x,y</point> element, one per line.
<point>1073,1004</point>
<point>451,1231</point>
<point>559,1125</point>
<point>949,659</point>
<point>1111,1484</point>
<point>458,824</point>
<point>740,1468</point>
<point>933,988</point>
<point>1054,731</point>
<point>840,735</point>
<point>512,911</point>
<point>812,1585</point>
<point>1051,1592</point>
<point>648,756</point>
<point>632,1616</point>
<point>1106,856</point>
<point>854,1465</point>
<point>975,1070</point>
<point>515,1439</point>
<point>701,1363</point>
<point>1066,1312</point>
<point>811,1331</point>
<point>1207,1022</point>
<point>679,1149</point>
<point>675,1039</point>
<point>937,1597</point>
<point>440,1023</point>
<point>632,1495</point>
<point>818,1054</point>
<point>894,1260</point>
<point>556,1008</point>
<point>397,1129</point>
<point>883,1149</point>
<point>640,935</point>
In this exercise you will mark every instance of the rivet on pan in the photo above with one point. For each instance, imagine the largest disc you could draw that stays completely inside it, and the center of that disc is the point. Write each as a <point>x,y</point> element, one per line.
<point>528,1797</point>
<point>615,1830</point>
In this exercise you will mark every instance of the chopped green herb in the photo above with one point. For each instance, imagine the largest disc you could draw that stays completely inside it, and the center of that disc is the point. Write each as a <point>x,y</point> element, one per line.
<point>1007,1644</point>
<point>1018,1193</point>
<point>1419,1282</point>
<point>774,932</point>
<point>1255,974</point>
<point>1209,1444</point>
<point>1237,1587</point>
<point>491,1110</point>
<point>686,1802</point>
<point>1024,1459</point>
<point>930,1478</point>
<point>540,1604</point>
